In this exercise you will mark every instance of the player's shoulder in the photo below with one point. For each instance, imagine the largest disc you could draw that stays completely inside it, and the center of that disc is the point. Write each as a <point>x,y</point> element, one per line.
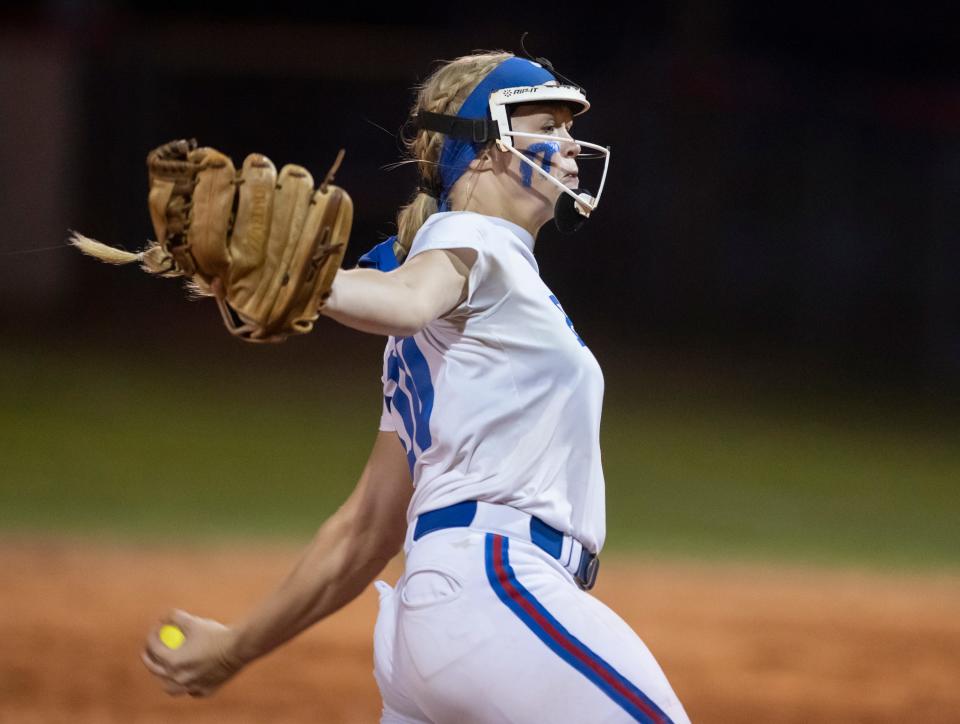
<point>444,222</point>
<point>492,229</point>
<point>450,229</point>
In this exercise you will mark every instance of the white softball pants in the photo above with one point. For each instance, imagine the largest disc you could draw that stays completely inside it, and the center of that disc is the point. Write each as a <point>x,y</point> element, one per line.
<point>486,629</point>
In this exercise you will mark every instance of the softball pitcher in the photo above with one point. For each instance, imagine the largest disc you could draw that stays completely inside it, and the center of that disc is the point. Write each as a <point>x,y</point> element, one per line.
<point>486,468</point>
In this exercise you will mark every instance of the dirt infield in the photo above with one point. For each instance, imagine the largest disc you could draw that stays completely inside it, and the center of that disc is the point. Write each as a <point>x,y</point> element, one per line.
<point>739,643</point>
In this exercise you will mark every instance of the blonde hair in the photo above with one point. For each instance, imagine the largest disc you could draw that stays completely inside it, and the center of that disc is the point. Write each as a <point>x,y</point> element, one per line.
<point>443,91</point>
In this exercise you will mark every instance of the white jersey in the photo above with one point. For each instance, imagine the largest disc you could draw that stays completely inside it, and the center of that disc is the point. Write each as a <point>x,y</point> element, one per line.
<point>499,400</point>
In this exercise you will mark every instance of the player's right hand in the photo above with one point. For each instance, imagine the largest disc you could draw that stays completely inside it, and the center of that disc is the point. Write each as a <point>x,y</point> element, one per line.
<point>201,664</point>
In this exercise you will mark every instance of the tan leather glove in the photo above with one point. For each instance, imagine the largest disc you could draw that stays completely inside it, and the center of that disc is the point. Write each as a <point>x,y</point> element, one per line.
<point>265,246</point>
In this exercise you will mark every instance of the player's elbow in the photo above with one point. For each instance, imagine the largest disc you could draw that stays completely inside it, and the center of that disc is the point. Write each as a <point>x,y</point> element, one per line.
<point>377,539</point>
<point>414,312</point>
<point>408,325</point>
<point>386,548</point>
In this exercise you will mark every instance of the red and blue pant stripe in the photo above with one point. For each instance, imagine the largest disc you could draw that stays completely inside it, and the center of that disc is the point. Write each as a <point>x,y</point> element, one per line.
<point>567,646</point>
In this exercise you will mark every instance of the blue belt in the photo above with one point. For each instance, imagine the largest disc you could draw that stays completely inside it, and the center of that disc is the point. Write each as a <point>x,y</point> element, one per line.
<point>582,565</point>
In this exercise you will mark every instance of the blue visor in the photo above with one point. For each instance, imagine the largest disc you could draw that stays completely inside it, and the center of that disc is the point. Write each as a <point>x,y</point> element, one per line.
<point>457,153</point>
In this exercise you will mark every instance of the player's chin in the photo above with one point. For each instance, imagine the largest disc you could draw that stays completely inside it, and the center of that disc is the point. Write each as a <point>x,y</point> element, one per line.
<point>554,194</point>
<point>565,182</point>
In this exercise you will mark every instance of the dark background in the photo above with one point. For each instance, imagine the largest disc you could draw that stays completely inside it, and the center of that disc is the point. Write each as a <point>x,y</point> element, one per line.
<point>781,202</point>
<point>769,285</point>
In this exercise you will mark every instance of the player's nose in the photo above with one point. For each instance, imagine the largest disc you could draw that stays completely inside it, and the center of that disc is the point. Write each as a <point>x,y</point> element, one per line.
<point>570,148</point>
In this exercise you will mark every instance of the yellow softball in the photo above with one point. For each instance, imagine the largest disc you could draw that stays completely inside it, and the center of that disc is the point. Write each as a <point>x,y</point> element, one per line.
<point>171,636</point>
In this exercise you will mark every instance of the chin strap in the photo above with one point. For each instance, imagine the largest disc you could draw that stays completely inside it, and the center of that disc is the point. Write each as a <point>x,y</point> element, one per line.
<point>566,213</point>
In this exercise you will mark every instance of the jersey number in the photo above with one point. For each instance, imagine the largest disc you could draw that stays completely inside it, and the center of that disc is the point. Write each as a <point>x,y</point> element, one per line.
<point>411,394</point>
<point>553,298</point>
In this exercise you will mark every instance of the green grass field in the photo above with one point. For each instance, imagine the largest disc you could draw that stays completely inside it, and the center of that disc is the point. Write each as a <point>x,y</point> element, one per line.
<point>158,447</point>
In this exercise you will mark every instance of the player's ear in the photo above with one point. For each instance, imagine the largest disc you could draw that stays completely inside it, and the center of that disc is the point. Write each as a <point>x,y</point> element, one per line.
<point>497,158</point>
<point>484,158</point>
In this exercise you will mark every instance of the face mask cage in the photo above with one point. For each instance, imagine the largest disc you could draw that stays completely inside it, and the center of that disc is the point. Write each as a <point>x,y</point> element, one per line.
<point>551,92</point>
<point>482,130</point>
